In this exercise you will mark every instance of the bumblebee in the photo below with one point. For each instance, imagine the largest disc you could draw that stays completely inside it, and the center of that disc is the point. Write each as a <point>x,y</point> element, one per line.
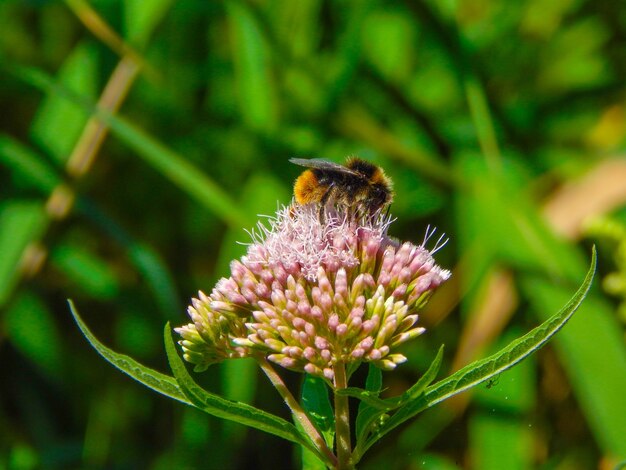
<point>358,186</point>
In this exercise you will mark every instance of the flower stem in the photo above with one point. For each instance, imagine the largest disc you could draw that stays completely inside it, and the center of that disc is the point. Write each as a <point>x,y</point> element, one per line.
<point>342,420</point>
<point>296,410</point>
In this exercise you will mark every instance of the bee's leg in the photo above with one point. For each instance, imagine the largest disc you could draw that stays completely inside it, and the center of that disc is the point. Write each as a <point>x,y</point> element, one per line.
<point>324,200</point>
<point>321,214</point>
<point>366,213</point>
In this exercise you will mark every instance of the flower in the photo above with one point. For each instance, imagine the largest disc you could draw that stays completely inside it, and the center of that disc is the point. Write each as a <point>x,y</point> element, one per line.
<point>215,321</point>
<point>315,291</point>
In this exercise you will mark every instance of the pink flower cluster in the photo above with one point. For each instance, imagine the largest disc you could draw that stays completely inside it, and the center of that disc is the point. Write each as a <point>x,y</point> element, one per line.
<point>312,292</point>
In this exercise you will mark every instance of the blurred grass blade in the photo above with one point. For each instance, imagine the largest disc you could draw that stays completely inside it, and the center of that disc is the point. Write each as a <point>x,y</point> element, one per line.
<point>38,174</point>
<point>258,99</point>
<point>28,164</point>
<point>226,409</point>
<point>485,132</point>
<point>31,327</point>
<point>146,260</point>
<point>158,278</point>
<point>170,164</point>
<point>21,222</point>
<point>481,371</point>
<point>157,381</point>
<point>177,169</point>
<point>91,275</point>
<point>59,122</point>
<point>141,18</point>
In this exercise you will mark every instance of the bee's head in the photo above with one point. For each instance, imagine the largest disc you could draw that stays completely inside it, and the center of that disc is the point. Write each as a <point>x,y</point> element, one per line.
<point>380,196</point>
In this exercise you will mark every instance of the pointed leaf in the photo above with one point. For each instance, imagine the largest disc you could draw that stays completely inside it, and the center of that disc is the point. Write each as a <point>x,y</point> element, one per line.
<point>481,371</point>
<point>370,397</point>
<point>425,380</point>
<point>369,416</point>
<point>227,409</point>
<point>157,381</point>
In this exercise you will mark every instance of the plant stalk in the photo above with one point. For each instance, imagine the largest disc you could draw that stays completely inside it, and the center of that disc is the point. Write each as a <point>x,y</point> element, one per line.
<point>342,420</point>
<point>298,413</point>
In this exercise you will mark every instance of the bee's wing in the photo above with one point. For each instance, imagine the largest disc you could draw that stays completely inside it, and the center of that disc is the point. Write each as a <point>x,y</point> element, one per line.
<point>322,164</point>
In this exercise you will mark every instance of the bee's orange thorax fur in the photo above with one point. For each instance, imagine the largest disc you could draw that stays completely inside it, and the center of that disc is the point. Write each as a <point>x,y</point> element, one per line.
<point>306,189</point>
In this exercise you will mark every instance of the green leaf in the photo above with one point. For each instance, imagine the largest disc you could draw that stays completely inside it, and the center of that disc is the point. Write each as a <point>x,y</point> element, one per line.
<point>316,402</point>
<point>310,461</point>
<point>388,404</point>
<point>370,398</point>
<point>369,416</point>
<point>227,409</point>
<point>373,384</point>
<point>481,371</point>
<point>516,235</point>
<point>593,355</point>
<point>157,381</point>
<point>499,434</point>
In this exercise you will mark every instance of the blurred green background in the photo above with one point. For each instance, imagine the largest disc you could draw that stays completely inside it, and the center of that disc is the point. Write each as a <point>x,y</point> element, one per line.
<point>138,139</point>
